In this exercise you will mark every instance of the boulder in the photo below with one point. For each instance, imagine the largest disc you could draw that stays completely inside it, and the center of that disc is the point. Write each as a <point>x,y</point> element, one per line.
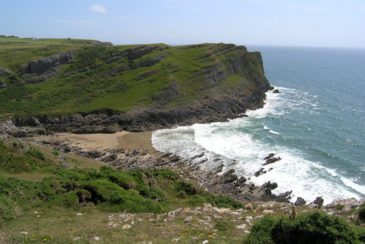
<point>300,202</point>
<point>318,201</point>
<point>93,154</point>
<point>109,158</point>
<point>276,91</point>
<point>272,160</point>
<point>249,206</point>
<point>242,180</point>
<point>284,197</point>
<point>269,156</point>
<point>269,185</point>
<point>228,177</point>
<point>260,172</point>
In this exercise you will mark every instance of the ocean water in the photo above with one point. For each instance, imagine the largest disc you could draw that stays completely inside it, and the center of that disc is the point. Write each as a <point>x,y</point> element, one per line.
<point>316,125</point>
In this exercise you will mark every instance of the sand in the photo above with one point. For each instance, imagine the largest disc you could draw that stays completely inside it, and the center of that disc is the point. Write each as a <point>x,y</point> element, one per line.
<point>119,140</point>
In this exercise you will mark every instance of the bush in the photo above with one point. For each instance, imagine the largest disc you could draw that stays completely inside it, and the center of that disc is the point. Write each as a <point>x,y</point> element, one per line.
<point>361,213</point>
<point>261,231</point>
<point>185,189</point>
<point>315,227</point>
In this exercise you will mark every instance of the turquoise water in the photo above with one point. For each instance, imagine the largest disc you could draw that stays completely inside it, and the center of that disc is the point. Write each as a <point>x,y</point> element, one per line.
<point>316,125</point>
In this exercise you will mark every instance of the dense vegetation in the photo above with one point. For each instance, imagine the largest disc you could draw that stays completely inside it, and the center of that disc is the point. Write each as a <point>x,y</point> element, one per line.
<point>121,78</point>
<point>362,213</point>
<point>154,190</point>
<point>313,227</point>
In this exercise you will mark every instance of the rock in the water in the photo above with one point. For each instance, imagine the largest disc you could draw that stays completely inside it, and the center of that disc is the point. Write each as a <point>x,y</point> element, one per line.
<point>260,172</point>
<point>269,156</point>
<point>272,160</point>
<point>300,202</point>
<point>276,91</point>
<point>319,201</point>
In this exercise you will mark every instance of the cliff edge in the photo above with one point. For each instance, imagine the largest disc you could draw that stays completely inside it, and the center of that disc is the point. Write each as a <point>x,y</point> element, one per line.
<point>88,86</point>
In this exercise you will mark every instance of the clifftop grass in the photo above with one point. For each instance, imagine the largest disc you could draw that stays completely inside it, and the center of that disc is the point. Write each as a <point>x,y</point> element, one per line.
<point>121,78</point>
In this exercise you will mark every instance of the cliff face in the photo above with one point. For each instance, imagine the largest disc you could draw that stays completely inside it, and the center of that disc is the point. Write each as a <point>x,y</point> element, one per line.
<point>106,88</point>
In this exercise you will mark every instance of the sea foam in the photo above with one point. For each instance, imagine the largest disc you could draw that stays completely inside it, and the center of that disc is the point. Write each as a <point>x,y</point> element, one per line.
<point>249,140</point>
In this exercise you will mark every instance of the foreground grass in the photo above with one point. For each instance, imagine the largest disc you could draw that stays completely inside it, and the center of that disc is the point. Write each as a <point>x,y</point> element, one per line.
<point>41,200</point>
<point>89,225</point>
<point>46,196</point>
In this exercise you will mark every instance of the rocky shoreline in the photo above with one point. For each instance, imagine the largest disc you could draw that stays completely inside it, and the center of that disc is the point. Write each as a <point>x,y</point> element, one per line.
<point>217,109</point>
<point>218,180</point>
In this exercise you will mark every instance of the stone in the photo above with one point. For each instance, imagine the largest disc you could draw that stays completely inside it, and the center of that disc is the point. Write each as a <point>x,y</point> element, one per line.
<point>300,202</point>
<point>270,186</point>
<point>272,160</point>
<point>241,227</point>
<point>228,177</point>
<point>188,219</point>
<point>109,158</point>
<point>318,201</point>
<point>276,91</point>
<point>249,206</point>
<point>260,172</point>
<point>126,227</point>
<point>284,197</point>
<point>47,64</point>
<point>241,180</point>
<point>269,156</point>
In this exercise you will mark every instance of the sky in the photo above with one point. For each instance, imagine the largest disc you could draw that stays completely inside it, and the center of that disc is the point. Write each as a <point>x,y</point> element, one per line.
<point>321,23</point>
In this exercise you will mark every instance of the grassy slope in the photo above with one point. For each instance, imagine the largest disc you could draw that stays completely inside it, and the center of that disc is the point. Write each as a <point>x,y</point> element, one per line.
<point>41,192</point>
<point>87,84</point>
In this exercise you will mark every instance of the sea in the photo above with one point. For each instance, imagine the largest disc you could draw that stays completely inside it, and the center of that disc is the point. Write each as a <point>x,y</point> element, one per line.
<point>316,125</point>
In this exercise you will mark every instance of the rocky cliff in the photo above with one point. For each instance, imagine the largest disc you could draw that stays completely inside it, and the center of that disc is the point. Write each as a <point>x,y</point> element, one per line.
<point>105,88</point>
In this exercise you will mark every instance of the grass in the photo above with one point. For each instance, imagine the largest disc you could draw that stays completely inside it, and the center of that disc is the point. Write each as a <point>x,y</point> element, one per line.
<point>113,77</point>
<point>42,199</point>
<point>31,177</point>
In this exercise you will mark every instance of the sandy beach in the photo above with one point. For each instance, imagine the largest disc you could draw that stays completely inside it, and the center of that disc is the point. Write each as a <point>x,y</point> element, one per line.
<point>119,140</point>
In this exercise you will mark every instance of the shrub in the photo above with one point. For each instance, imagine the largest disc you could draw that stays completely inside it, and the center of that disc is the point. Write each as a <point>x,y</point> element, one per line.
<point>361,213</point>
<point>315,227</point>
<point>261,231</point>
<point>185,189</point>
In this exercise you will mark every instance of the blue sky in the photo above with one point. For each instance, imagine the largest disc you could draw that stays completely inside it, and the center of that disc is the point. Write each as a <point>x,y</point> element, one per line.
<point>329,23</point>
